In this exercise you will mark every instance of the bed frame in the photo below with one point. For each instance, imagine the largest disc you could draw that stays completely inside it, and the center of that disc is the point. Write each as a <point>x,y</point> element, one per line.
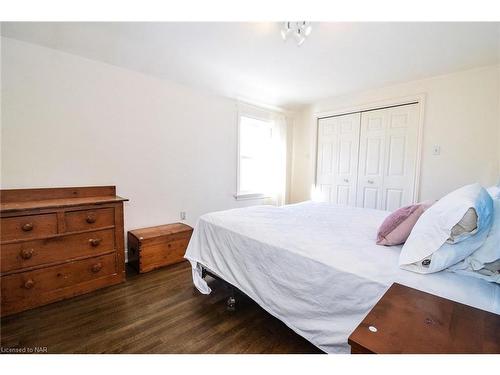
<point>233,291</point>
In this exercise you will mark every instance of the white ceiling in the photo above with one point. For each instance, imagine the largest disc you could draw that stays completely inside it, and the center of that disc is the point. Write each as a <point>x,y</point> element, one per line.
<point>251,61</point>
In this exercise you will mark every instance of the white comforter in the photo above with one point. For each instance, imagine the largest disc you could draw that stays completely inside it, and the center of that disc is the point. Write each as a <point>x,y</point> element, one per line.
<point>316,266</point>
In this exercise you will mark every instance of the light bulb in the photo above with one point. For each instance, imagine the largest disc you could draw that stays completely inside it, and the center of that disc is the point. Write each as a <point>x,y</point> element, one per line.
<point>299,37</point>
<point>285,30</point>
<point>305,27</point>
<point>284,34</point>
<point>298,30</point>
<point>308,29</point>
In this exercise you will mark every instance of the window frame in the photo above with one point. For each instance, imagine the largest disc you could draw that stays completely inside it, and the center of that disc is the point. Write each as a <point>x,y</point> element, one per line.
<point>256,114</point>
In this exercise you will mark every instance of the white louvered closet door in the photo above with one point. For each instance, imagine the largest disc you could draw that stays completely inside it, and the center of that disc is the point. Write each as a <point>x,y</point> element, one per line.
<point>337,163</point>
<point>387,157</point>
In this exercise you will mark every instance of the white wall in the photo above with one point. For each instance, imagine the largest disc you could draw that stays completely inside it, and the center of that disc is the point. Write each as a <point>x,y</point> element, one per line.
<point>70,121</point>
<point>462,115</point>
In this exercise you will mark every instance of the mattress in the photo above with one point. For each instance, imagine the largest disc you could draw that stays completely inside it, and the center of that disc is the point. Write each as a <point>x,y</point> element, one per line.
<point>315,266</point>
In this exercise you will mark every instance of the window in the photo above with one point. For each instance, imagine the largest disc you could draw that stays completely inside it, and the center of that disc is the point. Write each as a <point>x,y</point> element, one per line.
<point>262,154</point>
<point>255,159</point>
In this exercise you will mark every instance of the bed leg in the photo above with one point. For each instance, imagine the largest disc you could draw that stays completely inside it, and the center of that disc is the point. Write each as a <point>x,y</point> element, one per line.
<point>231,301</point>
<point>231,304</point>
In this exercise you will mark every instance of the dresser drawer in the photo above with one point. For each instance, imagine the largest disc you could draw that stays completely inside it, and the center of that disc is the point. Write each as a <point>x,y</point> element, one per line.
<point>30,226</point>
<point>37,252</point>
<point>89,219</point>
<point>39,285</point>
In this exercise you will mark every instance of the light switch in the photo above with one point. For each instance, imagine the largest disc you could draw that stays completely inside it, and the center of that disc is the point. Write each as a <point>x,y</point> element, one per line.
<point>436,150</point>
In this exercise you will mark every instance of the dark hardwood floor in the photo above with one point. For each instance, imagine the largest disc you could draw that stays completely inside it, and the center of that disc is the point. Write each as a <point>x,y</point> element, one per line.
<point>157,312</point>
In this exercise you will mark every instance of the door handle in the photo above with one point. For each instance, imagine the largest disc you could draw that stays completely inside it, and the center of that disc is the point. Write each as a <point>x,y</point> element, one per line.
<point>370,181</point>
<point>346,180</point>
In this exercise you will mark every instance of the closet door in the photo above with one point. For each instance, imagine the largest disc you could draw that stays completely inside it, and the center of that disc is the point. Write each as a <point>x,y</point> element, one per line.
<point>401,157</point>
<point>388,154</point>
<point>371,158</point>
<point>337,163</point>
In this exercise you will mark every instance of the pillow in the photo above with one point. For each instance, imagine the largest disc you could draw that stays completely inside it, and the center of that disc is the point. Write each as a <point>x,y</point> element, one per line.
<point>490,251</point>
<point>426,250</point>
<point>465,227</point>
<point>490,272</point>
<point>490,269</point>
<point>396,228</point>
<point>494,191</point>
<point>485,261</point>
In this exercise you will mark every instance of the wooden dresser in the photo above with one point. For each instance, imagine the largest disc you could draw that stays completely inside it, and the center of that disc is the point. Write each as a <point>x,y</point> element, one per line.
<point>57,243</point>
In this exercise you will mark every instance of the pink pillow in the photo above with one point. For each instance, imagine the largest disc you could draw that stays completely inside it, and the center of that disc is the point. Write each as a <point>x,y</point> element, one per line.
<point>397,226</point>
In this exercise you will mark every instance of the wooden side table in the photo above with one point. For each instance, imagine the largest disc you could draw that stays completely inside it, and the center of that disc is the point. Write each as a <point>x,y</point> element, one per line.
<point>409,321</point>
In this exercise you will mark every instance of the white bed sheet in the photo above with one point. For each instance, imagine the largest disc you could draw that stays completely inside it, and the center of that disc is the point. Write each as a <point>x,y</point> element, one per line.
<point>316,266</point>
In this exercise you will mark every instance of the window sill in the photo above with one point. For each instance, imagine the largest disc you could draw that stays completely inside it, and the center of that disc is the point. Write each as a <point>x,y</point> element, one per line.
<point>242,197</point>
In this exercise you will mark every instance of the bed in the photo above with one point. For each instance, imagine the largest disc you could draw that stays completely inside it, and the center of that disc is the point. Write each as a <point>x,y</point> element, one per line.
<point>315,266</point>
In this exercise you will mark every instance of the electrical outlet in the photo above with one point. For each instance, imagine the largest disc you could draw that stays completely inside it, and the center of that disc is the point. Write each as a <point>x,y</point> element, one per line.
<point>183,215</point>
<point>436,150</point>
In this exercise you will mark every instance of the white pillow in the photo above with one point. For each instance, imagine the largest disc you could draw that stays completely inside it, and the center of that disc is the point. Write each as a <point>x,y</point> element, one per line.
<point>489,252</point>
<point>464,228</point>
<point>494,191</point>
<point>484,262</point>
<point>426,250</point>
<point>491,272</point>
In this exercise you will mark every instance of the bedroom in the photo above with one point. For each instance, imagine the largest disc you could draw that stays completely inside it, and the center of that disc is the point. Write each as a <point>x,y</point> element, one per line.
<point>250,187</point>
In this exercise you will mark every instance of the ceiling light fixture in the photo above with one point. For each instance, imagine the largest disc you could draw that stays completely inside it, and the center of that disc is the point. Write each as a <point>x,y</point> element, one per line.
<point>299,31</point>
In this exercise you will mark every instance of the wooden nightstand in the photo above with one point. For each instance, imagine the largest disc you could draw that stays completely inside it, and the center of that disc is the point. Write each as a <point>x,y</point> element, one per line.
<point>409,321</point>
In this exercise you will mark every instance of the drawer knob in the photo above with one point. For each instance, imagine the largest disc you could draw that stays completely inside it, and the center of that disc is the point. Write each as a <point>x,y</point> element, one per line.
<point>29,284</point>
<point>95,242</point>
<point>27,253</point>
<point>27,227</point>
<point>90,219</point>
<point>96,267</point>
